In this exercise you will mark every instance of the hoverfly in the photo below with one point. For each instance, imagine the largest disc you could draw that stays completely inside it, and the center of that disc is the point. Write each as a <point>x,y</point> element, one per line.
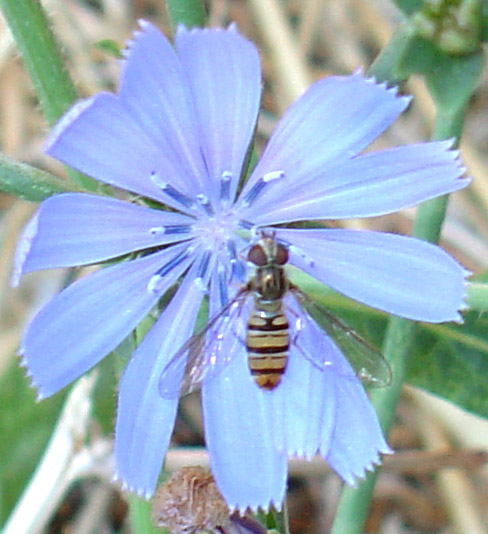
<point>258,319</point>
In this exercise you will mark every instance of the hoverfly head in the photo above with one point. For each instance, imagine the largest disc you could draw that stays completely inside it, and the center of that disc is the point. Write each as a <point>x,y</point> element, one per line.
<point>267,251</point>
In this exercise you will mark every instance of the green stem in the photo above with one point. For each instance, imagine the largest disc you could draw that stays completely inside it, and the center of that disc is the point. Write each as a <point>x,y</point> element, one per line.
<point>384,68</point>
<point>140,516</point>
<point>44,63</point>
<point>430,215</point>
<point>275,522</point>
<point>189,13</point>
<point>280,520</point>
<point>29,183</point>
<point>478,297</point>
<point>354,503</point>
<point>42,59</point>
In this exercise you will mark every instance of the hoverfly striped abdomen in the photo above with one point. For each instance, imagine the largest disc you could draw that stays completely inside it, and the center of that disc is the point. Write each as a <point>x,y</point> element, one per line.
<point>267,343</point>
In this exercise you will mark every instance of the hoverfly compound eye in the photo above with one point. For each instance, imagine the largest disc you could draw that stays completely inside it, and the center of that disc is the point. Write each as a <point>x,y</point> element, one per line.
<point>257,255</point>
<point>281,254</point>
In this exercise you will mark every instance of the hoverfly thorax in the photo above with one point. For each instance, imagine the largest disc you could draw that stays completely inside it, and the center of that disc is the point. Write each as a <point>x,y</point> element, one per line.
<point>270,281</point>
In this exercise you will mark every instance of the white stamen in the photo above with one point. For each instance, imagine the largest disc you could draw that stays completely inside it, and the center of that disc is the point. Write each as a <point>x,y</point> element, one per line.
<point>171,191</point>
<point>225,181</point>
<point>154,283</point>
<point>273,175</point>
<point>260,185</point>
<point>295,250</point>
<point>157,230</point>
<point>171,229</point>
<point>200,283</point>
<point>204,202</point>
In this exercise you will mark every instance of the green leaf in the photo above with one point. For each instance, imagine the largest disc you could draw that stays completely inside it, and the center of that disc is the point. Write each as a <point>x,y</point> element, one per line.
<point>26,430</point>
<point>484,22</point>
<point>28,182</point>
<point>450,79</point>
<point>110,48</point>
<point>451,361</point>
<point>409,6</point>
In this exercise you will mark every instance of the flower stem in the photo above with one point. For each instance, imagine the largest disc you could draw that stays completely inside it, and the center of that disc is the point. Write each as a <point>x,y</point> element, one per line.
<point>29,183</point>
<point>190,13</point>
<point>354,503</point>
<point>275,521</point>
<point>43,60</point>
<point>430,215</point>
<point>478,296</point>
<point>140,516</point>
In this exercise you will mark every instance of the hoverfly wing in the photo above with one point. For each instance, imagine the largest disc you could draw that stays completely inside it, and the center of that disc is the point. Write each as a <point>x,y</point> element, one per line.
<point>182,374</point>
<point>368,363</point>
<point>205,354</point>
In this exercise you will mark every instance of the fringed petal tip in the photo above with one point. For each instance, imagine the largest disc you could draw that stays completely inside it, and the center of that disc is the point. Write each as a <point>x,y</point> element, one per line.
<point>145,27</point>
<point>66,120</point>
<point>243,509</point>
<point>301,454</point>
<point>453,154</point>
<point>392,89</point>
<point>459,319</point>
<point>459,299</point>
<point>463,306</point>
<point>23,248</point>
<point>351,478</point>
<point>448,146</point>
<point>126,51</point>
<point>24,363</point>
<point>145,24</point>
<point>384,449</point>
<point>181,28</point>
<point>40,395</point>
<point>231,28</point>
<point>32,382</point>
<point>117,478</point>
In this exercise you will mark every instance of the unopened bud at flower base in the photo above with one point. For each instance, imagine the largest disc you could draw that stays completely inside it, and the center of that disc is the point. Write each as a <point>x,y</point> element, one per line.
<point>190,503</point>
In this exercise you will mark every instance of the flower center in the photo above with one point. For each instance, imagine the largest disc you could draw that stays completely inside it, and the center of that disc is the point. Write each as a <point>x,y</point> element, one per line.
<point>216,230</point>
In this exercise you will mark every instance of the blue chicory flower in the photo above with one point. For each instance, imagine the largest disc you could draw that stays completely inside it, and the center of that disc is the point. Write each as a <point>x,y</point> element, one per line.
<point>177,133</point>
